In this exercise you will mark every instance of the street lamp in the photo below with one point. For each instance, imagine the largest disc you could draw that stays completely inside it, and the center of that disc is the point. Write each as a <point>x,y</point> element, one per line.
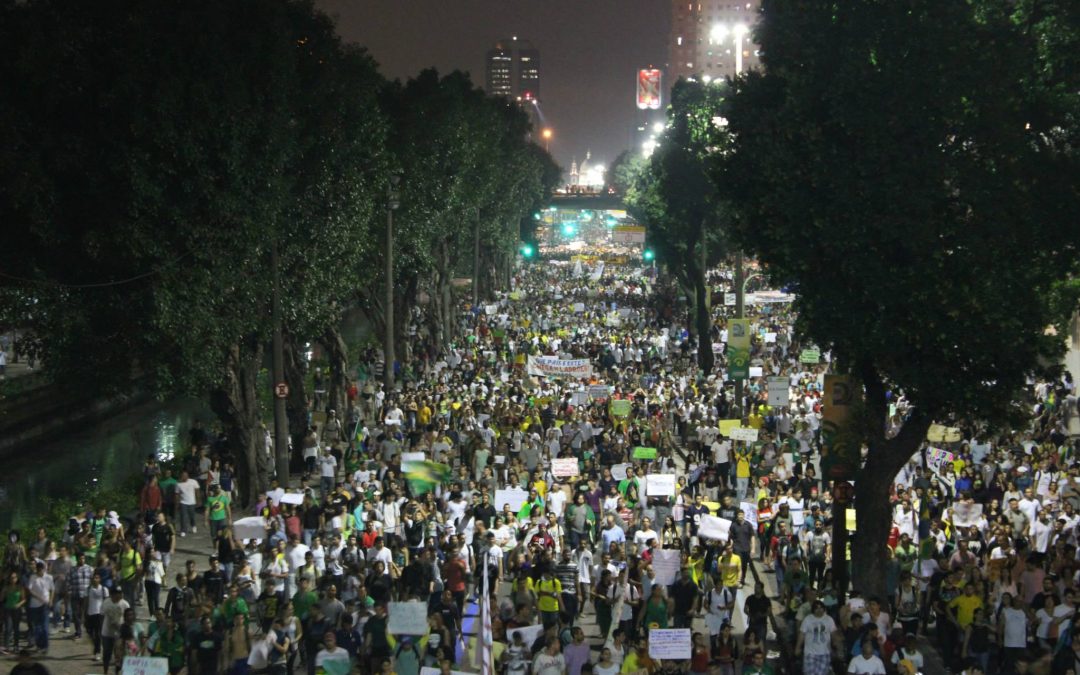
<point>739,31</point>
<point>718,33</point>
<point>658,127</point>
<point>546,134</point>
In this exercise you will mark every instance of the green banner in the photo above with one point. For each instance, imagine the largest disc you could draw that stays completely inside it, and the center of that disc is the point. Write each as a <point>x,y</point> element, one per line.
<point>738,349</point>
<point>621,407</point>
<point>644,453</point>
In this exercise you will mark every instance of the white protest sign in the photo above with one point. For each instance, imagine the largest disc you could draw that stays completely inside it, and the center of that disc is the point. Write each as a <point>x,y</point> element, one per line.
<point>491,309</point>
<point>966,515</point>
<point>564,466</point>
<point>579,307</point>
<point>665,564</point>
<point>660,485</point>
<point>528,633</point>
<point>427,670</point>
<point>253,527</point>
<point>713,527</point>
<point>747,434</point>
<point>770,337</point>
<point>779,391</point>
<point>276,495</point>
<point>579,398</point>
<point>500,459</point>
<point>599,391</point>
<point>618,471</point>
<point>797,515</point>
<point>515,497</point>
<point>292,498</point>
<point>756,371</point>
<point>669,643</point>
<point>407,618</point>
<point>407,457</point>
<point>145,665</point>
<point>750,511</point>
<point>729,299</point>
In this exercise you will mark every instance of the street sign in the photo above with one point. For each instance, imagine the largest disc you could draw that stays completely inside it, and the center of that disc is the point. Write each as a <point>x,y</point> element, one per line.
<point>281,390</point>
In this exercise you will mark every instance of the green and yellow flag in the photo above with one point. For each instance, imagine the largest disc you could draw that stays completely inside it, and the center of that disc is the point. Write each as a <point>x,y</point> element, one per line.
<point>425,476</point>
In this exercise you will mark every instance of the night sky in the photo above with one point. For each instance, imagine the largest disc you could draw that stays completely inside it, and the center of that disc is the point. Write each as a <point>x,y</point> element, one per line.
<point>590,51</point>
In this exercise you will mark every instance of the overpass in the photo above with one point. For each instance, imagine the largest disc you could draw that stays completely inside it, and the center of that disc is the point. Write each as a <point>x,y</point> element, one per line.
<point>594,200</point>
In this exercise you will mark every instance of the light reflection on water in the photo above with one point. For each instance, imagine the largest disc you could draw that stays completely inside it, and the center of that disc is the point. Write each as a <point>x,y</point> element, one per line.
<point>107,454</point>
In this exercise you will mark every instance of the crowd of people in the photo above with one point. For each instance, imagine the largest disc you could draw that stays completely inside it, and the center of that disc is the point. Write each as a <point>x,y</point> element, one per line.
<point>580,560</point>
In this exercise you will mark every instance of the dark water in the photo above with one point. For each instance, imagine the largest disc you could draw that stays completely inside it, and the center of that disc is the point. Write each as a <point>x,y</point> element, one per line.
<point>107,453</point>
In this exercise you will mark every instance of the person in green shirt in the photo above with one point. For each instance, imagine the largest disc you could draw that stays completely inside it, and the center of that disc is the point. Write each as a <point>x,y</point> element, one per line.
<point>167,483</point>
<point>169,644</point>
<point>218,511</point>
<point>234,605</point>
<point>758,666</point>
<point>304,599</point>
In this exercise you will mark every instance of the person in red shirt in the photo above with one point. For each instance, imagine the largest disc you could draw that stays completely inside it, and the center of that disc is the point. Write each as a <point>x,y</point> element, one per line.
<point>150,497</point>
<point>454,575</point>
<point>368,536</point>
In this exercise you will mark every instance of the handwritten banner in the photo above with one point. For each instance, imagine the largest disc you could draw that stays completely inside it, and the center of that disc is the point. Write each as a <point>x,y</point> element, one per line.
<point>551,366</point>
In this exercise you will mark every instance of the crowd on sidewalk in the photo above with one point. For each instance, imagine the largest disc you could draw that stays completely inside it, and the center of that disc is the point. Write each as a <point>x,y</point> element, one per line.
<point>565,458</point>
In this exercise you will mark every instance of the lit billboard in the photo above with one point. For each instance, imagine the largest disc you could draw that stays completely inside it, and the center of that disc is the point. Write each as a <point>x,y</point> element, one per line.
<point>648,89</point>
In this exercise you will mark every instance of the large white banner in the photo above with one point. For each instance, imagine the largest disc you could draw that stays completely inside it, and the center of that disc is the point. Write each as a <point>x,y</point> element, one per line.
<point>669,643</point>
<point>551,366</point>
<point>713,527</point>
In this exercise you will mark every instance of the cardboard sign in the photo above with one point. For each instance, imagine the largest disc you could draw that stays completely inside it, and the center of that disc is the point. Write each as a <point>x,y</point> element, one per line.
<point>564,467</point>
<point>713,527</point>
<point>660,485</point>
<point>618,471</point>
<point>253,527</point>
<point>750,511</point>
<point>145,665</point>
<point>665,564</point>
<point>292,498</point>
<point>729,299</point>
<point>579,398</point>
<point>725,426</point>
<point>779,391</point>
<point>747,434</point>
<point>515,497</point>
<point>644,453</point>
<point>407,618</point>
<point>669,643</point>
<point>756,371</point>
<point>938,433</point>
<point>810,356</point>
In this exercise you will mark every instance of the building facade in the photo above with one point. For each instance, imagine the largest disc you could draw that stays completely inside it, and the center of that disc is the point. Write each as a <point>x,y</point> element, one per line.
<point>707,36</point>
<point>513,70</point>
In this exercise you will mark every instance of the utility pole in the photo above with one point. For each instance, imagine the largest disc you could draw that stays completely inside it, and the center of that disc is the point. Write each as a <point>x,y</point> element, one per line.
<point>739,314</point>
<point>280,389</point>
<point>476,261</point>
<point>388,312</point>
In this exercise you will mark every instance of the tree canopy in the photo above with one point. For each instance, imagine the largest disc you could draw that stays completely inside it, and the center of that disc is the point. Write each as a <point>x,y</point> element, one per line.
<point>903,166</point>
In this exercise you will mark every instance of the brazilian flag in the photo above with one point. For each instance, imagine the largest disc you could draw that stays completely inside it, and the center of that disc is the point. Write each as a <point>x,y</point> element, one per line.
<point>425,476</point>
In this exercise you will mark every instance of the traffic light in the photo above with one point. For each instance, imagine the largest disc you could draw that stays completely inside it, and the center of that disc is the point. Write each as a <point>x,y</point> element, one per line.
<point>648,254</point>
<point>569,229</point>
<point>536,216</point>
<point>526,251</point>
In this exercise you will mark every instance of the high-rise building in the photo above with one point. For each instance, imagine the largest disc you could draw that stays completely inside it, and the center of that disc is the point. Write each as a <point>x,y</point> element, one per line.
<point>707,36</point>
<point>513,70</point>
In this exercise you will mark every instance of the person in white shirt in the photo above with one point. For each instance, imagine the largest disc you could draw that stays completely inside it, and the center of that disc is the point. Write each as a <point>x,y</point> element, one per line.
<point>186,490</point>
<point>867,663</point>
<point>331,658</point>
<point>327,472</point>
<point>642,536</point>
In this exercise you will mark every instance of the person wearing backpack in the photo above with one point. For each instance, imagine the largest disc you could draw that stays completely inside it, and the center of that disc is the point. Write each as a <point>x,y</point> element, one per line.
<point>408,652</point>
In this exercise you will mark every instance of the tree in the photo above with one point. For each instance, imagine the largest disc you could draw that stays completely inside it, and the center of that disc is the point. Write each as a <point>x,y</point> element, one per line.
<point>152,163</point>
<point>888,166</point>
<point>674,195</point>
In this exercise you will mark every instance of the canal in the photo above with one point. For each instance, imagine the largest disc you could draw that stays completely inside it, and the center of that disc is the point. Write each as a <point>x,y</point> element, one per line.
<point>107,454</point>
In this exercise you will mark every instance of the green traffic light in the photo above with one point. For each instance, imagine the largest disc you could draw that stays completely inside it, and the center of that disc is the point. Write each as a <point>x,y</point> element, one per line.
<point>648,254</point>
<point>526,251</point>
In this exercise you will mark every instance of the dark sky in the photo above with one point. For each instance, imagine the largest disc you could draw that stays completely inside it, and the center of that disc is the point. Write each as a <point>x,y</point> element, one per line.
<point>590,51</point>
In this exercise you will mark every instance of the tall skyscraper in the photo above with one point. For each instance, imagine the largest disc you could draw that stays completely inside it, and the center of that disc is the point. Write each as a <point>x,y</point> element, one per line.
<point>513,70</point>
<point>707,36</point>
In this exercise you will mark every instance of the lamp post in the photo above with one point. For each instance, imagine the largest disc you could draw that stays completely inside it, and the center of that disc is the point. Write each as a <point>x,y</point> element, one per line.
<point>546,134</point>
<point>392,203</point>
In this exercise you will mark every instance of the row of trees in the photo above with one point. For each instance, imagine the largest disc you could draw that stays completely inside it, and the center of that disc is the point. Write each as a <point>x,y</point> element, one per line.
<point>162,163</point>
<point>910,168</point>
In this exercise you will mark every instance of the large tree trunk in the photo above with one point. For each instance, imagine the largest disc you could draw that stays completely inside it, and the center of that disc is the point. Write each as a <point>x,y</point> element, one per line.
<point>337,353</point>
<point>703,315</point>
<point>296,403</point>
<point>236,405</point>
<point>873,483</point>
